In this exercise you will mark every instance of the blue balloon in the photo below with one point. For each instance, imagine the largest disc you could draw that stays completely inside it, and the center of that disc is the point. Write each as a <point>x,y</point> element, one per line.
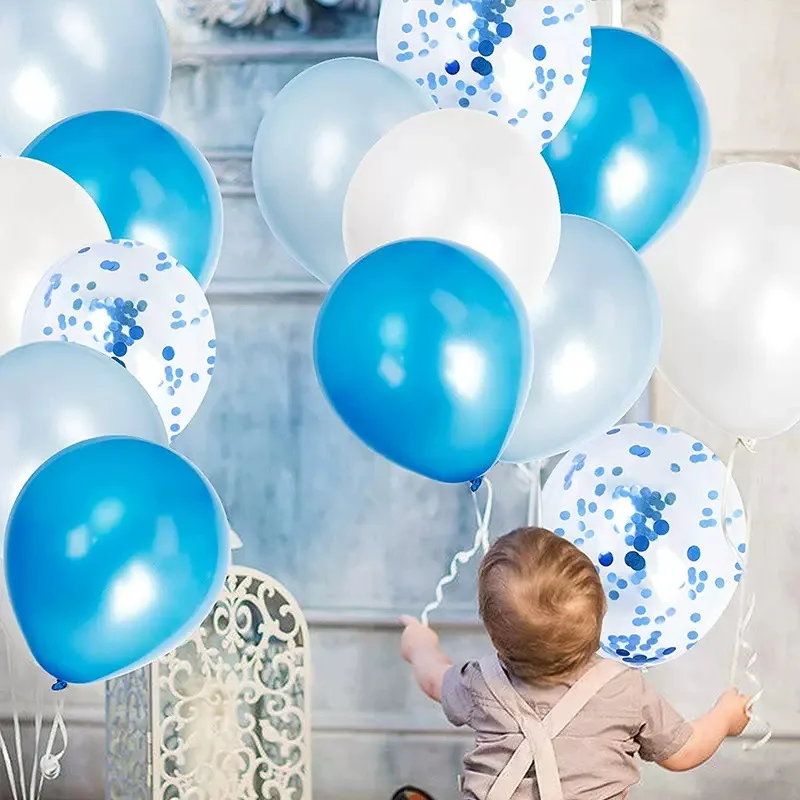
<point>313,136</point>
<point>423,349</point>
<point>60,59</point>
<point>116,550</point>
<point>637,146</point>
<point>597,334</point>
<point>150,182</point>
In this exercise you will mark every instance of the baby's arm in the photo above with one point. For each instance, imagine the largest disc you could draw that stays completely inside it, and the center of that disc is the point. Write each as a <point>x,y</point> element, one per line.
<point>420,647</point>
<point>728,718</point>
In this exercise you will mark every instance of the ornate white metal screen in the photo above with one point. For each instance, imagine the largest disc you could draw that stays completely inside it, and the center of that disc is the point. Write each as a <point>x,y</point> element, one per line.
<point>226,715</point>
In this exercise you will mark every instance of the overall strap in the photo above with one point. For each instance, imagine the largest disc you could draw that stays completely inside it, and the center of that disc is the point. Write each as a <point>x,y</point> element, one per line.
<point>584,689</point>
<point>536,748</point>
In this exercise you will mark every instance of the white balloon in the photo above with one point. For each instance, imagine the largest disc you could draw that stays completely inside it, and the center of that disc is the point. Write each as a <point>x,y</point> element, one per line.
<point>44,215</point>
<point>460,176</point>
<point>525,62</point>
<point>728,275</point>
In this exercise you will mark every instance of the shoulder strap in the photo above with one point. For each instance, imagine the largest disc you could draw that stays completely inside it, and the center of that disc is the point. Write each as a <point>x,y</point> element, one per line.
<point>536,747</point>
<point>584,689</point>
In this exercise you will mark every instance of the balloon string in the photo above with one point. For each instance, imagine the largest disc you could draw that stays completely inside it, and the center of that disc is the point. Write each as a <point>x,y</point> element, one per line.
<point>480,543</point>
<point>50,763</point>
<point>747,601</point>
<point>532,474</point>
<point>3,746</point>
<point>616,13</point>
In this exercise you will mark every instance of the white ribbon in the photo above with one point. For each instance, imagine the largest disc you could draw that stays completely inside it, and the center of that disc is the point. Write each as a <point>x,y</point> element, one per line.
<point>480,543</point>
<point>747,599</point>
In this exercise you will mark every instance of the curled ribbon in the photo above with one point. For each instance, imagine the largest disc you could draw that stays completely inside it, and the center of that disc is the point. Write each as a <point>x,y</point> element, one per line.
<point>480,544</point>
<point>747,602</point>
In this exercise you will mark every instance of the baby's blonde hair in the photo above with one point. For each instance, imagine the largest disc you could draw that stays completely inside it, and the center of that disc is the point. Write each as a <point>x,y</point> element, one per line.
<point>542,603</point>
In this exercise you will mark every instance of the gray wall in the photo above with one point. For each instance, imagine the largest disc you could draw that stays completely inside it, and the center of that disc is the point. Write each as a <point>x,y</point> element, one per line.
<point>359,541</point>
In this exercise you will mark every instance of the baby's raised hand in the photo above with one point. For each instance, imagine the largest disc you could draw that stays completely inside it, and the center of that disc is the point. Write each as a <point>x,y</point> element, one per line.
<point>733,704</point>
<point>416,637</point>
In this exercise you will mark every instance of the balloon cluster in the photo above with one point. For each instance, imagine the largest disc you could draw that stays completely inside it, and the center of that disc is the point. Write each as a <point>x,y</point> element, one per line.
<point>115,547</point>
<point>487,301</point>
<point>498,269</point>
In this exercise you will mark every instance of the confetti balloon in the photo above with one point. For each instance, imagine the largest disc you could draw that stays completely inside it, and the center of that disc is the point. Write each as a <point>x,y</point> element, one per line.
<point>644,502</point>
<point>463,177</point>
<point>524,62</point>
<point>140,307</point>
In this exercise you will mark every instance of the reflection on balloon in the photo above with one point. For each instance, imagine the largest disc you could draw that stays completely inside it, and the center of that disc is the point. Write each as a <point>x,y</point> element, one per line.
<point>312,137</point>
<point>524,63</point>
<point>141,308</point>
<point>636,148</point>
<point>61,59</point>
<point>727,275</point>
<point>151,183</point>
<point>116,550</point>
<point>463,177</point>
<point>644,502</point>
<point>423,349</point>
<point>43,215</point>
<point>596,332</point>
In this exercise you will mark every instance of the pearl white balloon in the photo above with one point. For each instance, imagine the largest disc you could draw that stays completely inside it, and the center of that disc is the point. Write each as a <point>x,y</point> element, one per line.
<point>44,215</point>
<point>461,176</point>
<point>728,276</point>
<point>524,61</point>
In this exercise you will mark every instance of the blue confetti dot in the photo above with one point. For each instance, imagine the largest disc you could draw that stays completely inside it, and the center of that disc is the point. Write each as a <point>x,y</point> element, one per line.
<point>452,67</point>
<point>136,332</point>
<point>606,559</point>
<point>613,594</point>
<point>693,635</point>
<point>635,561</point>
<point>168,353</point>
<point>120,349</point>
<point>639,451</point>
<point>504,30</point>
<point>719,583</point>
<point>693,553</point>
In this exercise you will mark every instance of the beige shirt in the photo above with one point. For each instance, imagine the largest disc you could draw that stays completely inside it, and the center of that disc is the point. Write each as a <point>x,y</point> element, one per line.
<point>595,752</point>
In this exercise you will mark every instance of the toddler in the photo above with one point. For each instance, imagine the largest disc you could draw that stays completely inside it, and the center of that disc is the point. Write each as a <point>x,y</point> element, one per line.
<point>551,718</point>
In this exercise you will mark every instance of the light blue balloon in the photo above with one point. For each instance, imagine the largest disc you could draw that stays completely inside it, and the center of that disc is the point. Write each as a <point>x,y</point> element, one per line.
<point>423,349</point>
<point>638,144</point>
<point>151,183</point>
<point>116,550</point>
<point>63,58</point>
<point>312,138</point>
<point>597,336</point>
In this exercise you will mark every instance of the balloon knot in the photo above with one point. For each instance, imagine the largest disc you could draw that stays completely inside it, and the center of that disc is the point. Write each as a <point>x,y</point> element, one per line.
<point>475,484</point>
<point>59,686</point>
<point>50,766</point>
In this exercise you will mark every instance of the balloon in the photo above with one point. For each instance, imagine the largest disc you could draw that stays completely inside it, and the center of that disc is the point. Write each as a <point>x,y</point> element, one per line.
<point>526,65</point>
<point>151,183</point>
<point>463,177</point>
<point>422,348</point>
<point>44,215</point>
<point>596,332</point>
<point>312,138</point>
<point>729,283</point>
<point>140,307</point>
<point>644,502</point>
<point>60,59</point>
<point>635,150</point>
<point>54,394</point>
<point>116,550</point>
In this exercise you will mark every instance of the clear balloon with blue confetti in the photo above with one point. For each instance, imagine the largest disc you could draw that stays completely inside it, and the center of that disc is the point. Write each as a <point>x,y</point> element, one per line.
<point>644,502</point>
<point>524,61</point>
<point>140,307</point>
